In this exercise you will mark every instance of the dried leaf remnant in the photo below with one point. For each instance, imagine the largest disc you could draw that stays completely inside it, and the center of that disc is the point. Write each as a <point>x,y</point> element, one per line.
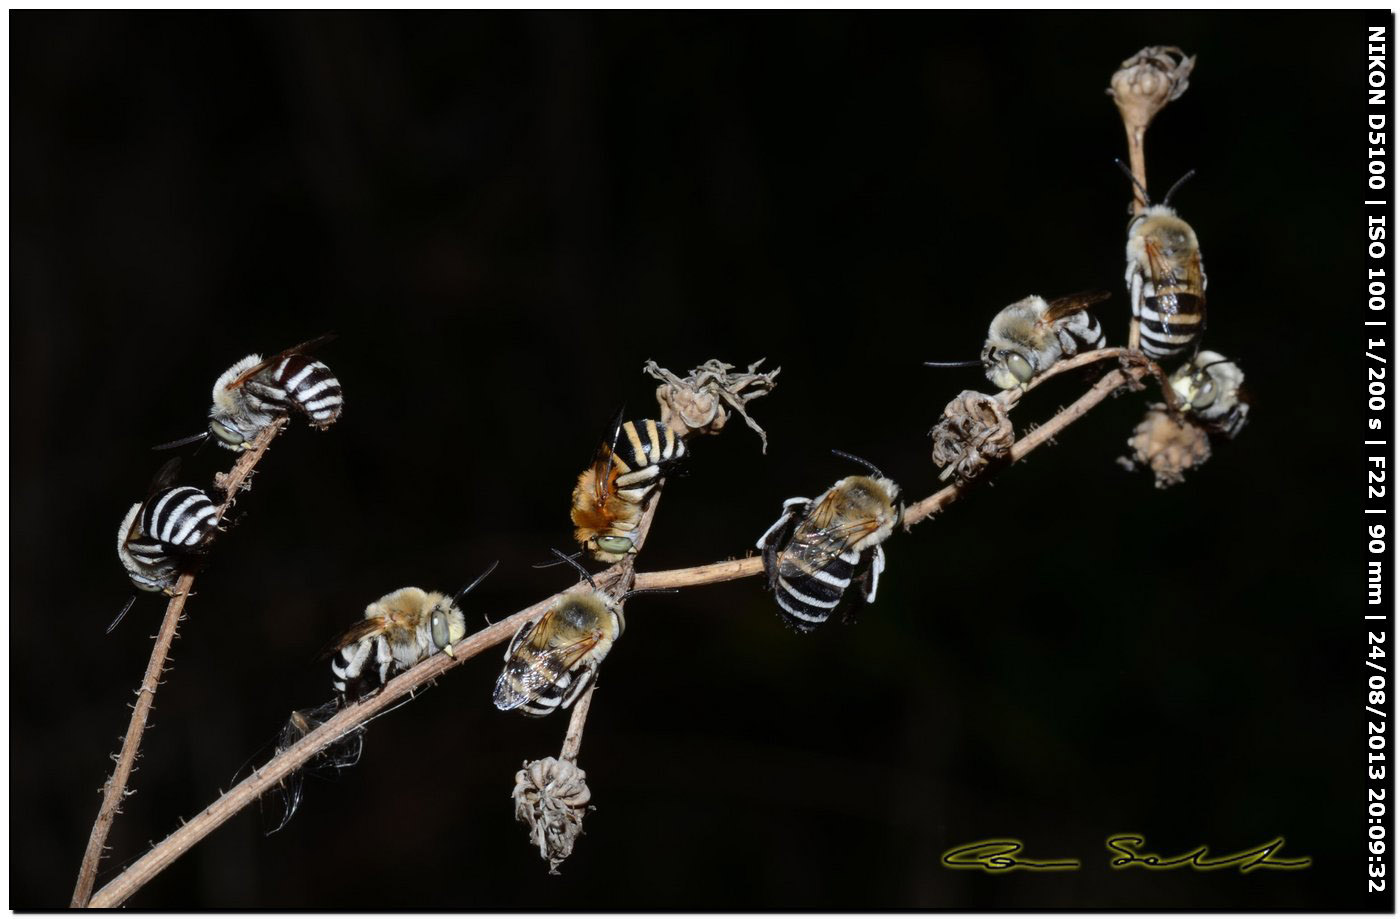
<point>697,403</point>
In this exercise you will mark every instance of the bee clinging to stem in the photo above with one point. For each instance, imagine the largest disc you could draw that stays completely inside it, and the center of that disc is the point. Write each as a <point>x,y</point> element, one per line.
<point>552,659</point>
<point>819,548</point>
<point>1209,388</point>
<point>256,391</point>
<point>399,630</point>
<point>613,491</point>
<point>166,534</point>
<point>1028,337</point>
<point>1165,276</point>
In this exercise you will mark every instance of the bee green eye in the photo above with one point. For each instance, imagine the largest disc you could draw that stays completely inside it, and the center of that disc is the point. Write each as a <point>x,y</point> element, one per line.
<point>1019,367</point>
<point>619,545</point>
<point>224,434</point>
<point>440,631</point>
<point>1204,396</point>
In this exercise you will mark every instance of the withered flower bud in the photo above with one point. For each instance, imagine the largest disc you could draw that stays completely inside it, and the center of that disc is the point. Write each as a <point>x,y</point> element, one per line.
<point>551,797</point>
<point>697,404</point>
<point>974,432</point>
<point>1168,444</point>
<point>1147,81</point>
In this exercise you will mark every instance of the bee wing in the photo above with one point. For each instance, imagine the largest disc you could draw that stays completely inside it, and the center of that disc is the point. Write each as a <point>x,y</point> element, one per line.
<point>1061,307</point>
<point>354,635</point>
<point>818,545</point>
<point>294,349</point>
<point>165,476</point>
<point>603,459</point>
<point>534,665</point>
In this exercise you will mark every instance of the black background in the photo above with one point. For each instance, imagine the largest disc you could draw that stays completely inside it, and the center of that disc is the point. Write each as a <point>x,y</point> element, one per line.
<point>503,217</point>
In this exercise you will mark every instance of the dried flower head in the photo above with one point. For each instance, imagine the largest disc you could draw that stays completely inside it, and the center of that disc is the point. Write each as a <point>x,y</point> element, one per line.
<point>974,432</point>
<point>1168,444</point>
<point>551,797</point>
<point>697,403</point>
<point>1147,81</point>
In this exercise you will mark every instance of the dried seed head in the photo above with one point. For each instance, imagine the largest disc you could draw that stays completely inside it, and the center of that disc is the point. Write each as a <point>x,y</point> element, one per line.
<point>1168,444</point>
<point>1147,81</point>
<point>696,404</point>
<point>551,797</point>
<point>974,432</point>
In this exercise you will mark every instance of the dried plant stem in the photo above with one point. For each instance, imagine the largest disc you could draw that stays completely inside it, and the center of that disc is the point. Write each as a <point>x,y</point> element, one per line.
<point>296,756</point>
<point>115,788</point>
<point>574,738</point>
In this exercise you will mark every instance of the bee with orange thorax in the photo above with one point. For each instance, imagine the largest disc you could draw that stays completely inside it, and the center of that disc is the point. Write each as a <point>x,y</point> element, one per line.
<point>612,492</point>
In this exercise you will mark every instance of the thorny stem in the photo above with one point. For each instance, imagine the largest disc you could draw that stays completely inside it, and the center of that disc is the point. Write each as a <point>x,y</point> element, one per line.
<point>574,738</point>
<point>263,780</point>
<point>115,788</point>
<point>1137,161</point>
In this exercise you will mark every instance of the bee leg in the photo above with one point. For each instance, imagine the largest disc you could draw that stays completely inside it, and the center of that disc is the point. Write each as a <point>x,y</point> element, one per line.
<point>877,565</point>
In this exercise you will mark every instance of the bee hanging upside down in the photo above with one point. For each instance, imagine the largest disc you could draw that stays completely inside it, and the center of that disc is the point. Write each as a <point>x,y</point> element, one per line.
<point>255,392</point>
<point>1209,387</point>
<point>551,659</point>
<point>162,535</point>
<point>818,548</point>
<point>399,630</point>
<point>612,492</point>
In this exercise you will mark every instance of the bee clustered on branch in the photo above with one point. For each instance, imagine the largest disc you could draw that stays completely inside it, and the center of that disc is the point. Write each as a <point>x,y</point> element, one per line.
<point>822,556</point>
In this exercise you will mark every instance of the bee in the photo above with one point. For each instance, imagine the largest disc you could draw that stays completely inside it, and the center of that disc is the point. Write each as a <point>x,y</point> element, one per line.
<point>399,630</point>
<point>255,392</point>
<point>1166,280</point>
<point>818,548</point>
<point>609,497</point>
<point>551,659</point>
<point>1029,336</point>
<point>161,536</point>
<point>1209,387</point>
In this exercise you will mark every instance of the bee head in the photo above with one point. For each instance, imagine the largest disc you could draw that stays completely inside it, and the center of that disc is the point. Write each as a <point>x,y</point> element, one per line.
<point>228,435</point>
<point>446,624</point>
<point>1007,368</point>
<point>611,549</point>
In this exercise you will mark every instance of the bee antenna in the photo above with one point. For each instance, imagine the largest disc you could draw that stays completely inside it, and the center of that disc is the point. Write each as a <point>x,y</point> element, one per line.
<point>556,562</point>
<point>952,363</point>
<point>122,614</point>
<point>1179,182</point>
<point>1132,178</point>
<point>866,463</point>
<point>183,441</point>
<point>573,560</point>
<point>468,589</point>
<point>1223,360</point>
<point>647,590</point>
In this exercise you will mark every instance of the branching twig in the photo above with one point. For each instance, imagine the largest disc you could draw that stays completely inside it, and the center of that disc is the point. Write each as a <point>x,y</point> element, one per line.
<point>289,760</point>
<point>115,788</point>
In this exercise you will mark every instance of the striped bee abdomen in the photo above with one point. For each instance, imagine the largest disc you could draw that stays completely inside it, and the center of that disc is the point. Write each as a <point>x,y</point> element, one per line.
<point>808,595</point>
<point>1081,332</point>
<point>644,450</point>
<point>176,520</point>
<point>362,667</point>
<point>297,381</point>
<point>552,686</point>
<point>1170,321</point>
